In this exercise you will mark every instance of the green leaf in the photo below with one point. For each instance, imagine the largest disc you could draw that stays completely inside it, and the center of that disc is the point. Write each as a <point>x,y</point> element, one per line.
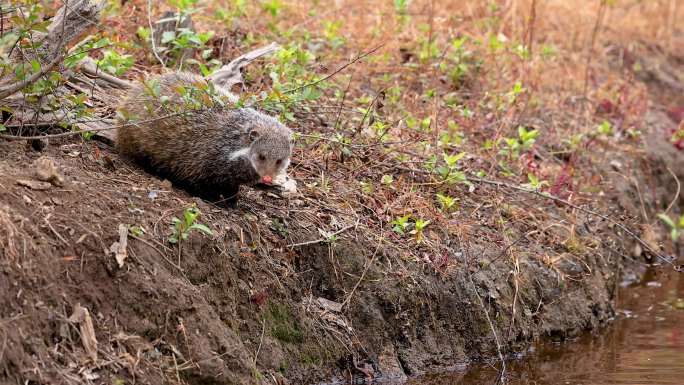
<point>190,215</point>
<point>35,65</point>
<point>451,160</point>
<point>144,33</point>
<point>202,228</point>
<point>136,230</point>
<point>663,217</point>
<point>42,27</point>
<point>168,36</point>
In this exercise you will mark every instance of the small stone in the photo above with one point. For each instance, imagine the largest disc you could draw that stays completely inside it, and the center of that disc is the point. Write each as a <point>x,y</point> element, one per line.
<point>46,171</point>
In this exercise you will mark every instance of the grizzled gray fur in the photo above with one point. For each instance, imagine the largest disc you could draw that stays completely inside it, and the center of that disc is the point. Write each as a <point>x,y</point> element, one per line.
<point>206,147</point>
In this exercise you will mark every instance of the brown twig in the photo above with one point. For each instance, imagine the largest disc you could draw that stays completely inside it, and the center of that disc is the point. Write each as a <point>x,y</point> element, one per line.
<point>368,111</point>
<point>338,232</point>
<point>149,22</point>
<point>679,189</point>
<point>261,340</point>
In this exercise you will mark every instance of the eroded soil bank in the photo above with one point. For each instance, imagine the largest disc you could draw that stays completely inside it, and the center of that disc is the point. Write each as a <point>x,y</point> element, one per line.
<point>202,313</point>
<point>242,306</point>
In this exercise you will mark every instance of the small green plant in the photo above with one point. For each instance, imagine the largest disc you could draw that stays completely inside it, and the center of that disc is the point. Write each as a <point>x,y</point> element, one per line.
<point>280,227</point>
<point>293,83</point>
<point>574,141</point>
<point>175,42</point>
<point>428,50</point>
<point>450,172</point>
<point>82,50</point>
<point>273,7</point>
<point>401,8</point>
<point>401,224</point>
<point>462,61</point>
<point>367,187</point>
<point>515,92</point>
<point>387,179</point>
<point>447,204</point>
<point>115,63</point>
<point>425,124</point>
<point>605,128</point>
<point>548,51</point>
<point>418,228</point>
<point>451,138</point>
<point>237,9</point>
<point>331,32</point>
<point>534,182</point>
<point>136,231</point>
<point>512,147</point>
<point>676,228</point>
<point>181,228</point>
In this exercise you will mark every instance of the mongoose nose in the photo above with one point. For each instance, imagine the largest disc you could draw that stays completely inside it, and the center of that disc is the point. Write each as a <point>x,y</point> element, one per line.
<point>267,179</point>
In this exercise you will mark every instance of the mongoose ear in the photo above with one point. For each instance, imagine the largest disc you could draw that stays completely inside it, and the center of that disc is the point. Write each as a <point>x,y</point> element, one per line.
<point>254,135</point>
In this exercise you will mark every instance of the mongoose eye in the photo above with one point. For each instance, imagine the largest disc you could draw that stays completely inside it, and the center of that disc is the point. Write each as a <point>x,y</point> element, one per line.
<point>262,157</point>
<point>278,162</point>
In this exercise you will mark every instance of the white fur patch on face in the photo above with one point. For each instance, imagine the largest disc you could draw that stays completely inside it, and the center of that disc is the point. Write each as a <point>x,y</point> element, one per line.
<point>239,153</point>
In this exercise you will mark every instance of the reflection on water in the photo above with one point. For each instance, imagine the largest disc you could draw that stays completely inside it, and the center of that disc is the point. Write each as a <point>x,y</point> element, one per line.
<point>645,345</point>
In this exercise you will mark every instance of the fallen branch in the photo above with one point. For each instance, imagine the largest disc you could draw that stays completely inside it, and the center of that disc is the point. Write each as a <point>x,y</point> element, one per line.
<point>18,86</point>
<point>89,67</point>
<point>78,132</point>
<point>230,74</point>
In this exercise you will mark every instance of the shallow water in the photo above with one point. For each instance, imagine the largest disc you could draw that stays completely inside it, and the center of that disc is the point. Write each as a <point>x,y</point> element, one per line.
<point>644,345</point>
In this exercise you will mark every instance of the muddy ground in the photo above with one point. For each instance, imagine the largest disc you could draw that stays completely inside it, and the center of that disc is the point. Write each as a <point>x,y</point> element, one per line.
<point>244,305</point>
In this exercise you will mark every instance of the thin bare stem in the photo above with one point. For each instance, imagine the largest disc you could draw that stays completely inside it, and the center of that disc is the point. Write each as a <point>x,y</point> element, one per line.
<point>340,69</point>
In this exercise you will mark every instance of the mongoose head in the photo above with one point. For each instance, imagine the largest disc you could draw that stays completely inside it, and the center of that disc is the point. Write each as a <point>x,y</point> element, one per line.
<point>270,150</point>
